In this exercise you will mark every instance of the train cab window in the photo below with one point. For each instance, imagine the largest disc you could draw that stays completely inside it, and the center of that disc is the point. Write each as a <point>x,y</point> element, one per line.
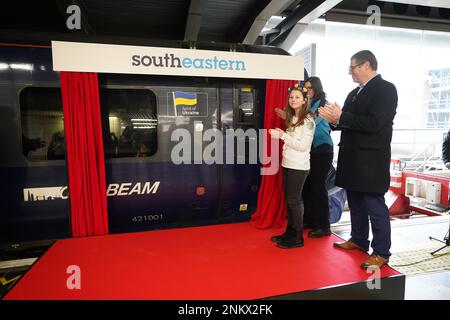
<point>245,111</point>
<point>129,122</point>
<point>246,106</point>
<point>42,124</point>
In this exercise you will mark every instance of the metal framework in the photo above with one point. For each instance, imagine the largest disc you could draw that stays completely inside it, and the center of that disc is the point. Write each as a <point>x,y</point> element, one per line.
<point>439,99</point>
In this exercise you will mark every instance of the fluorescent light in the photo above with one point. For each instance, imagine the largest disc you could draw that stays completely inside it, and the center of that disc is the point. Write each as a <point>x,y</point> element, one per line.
<point>143,120</point>
<point>141,124</point>
<point>21,66</point>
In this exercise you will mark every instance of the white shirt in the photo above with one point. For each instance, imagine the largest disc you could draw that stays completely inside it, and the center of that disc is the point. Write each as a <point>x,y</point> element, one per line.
<point>361,86</point>
<point>297,145</point>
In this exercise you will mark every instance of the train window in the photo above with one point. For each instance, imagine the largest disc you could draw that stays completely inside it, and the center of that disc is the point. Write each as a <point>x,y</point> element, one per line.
<point>246,106</point>
<point>129,121</point>
<point>42,124</point>
<point>245,117</point>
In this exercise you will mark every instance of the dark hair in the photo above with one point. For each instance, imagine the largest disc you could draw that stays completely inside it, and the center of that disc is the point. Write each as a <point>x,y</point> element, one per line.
<point>303,113</point>
<point>316,85</point>
<point>366,55</point>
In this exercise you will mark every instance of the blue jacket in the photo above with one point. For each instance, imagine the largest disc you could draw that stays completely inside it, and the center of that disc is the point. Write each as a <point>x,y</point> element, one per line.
<point>322,133</point>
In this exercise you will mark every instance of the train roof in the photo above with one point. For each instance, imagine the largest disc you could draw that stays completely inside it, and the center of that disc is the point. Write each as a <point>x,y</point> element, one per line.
<point>204,45</point>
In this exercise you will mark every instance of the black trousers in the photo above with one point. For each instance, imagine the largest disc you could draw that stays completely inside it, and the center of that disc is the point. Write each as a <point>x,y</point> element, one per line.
<point>293,181</point>
<point>315,194</point>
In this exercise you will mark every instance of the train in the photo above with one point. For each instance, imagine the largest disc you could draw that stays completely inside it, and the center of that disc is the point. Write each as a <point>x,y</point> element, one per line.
<point>145,189</point>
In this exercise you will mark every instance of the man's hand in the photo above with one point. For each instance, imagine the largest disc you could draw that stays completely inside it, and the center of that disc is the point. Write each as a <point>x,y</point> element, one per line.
<point>331,113</point>
<point>276,133</point>
<point>281,113</point>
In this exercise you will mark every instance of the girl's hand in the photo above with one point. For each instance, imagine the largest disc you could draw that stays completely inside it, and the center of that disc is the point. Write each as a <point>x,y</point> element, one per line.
<point>276,133</point>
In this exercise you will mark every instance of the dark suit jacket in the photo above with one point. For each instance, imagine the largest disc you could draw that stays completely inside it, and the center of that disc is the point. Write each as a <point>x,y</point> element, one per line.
<point>446,148</point>
<point>365,147</point>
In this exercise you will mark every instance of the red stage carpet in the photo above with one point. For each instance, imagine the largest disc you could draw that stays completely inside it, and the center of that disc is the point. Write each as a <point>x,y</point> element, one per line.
<point>232,261</point>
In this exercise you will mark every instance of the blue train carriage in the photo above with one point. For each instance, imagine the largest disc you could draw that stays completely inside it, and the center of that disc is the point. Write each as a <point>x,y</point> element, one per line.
<point>145,189</point>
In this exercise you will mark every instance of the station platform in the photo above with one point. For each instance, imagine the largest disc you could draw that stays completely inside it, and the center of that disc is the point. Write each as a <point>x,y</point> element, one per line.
<point>220,262</point>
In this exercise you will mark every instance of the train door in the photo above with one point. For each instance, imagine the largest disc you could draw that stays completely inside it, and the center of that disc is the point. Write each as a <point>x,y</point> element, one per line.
<point>155,171</point>
<point>34,204</point>
<point>239,180</point>
<point>33,184</point>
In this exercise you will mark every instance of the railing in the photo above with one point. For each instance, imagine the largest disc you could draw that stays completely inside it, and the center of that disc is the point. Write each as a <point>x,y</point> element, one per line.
<point>426,159</point>
<point>416,148</point>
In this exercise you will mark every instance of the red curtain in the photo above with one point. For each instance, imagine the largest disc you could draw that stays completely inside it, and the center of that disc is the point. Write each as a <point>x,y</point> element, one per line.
<point>85,158</point>
<point>271,210</point>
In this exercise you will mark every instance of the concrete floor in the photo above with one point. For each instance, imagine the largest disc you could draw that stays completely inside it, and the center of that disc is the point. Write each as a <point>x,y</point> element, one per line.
<point>408,234</point>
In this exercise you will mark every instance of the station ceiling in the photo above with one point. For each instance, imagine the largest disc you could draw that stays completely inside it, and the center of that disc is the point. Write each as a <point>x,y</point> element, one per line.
<point>233,21</point>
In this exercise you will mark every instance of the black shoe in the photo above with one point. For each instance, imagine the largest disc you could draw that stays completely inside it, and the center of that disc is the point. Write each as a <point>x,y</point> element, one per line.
<point>318,233</point>
<point>290,243</point>
<point>279,238</point>
<point>287,234</point>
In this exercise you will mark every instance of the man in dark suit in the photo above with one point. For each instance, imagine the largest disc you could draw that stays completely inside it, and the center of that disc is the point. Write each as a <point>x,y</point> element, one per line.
<point>446,150</point>
<point>366,122</point>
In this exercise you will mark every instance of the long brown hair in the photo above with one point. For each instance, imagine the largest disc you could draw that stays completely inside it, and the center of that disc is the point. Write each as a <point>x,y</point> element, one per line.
<point>316,85</point>
<point>290,113</point>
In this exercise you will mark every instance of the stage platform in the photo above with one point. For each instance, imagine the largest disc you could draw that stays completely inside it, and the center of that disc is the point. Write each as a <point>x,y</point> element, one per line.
<point>220,262</point>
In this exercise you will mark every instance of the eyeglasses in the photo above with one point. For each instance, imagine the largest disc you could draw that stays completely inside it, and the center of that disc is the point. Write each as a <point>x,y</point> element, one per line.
<point>351,68</point>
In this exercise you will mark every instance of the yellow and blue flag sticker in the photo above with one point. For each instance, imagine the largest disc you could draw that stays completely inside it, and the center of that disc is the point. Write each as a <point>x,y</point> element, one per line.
<point>184,98</point>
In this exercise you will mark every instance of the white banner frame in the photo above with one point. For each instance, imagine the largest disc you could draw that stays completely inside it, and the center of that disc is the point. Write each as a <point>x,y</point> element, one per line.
<point>111,58</point>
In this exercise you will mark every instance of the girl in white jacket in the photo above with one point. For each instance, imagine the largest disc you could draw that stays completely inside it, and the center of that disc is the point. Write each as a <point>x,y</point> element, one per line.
<point>297,145</point>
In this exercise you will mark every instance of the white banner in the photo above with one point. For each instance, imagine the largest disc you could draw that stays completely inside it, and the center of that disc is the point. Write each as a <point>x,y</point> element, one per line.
<point>108,58</point>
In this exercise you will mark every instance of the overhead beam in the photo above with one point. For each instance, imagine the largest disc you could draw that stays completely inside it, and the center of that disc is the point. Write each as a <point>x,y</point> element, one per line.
<point>275,7</point>
<point>306,12</point>
<point>427,3</point>
<point>293,35</point>
<point>194,19</point>
<point>319,11</point>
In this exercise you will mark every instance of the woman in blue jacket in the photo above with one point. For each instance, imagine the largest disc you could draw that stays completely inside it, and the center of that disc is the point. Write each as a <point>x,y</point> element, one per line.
<point>315,194</point>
